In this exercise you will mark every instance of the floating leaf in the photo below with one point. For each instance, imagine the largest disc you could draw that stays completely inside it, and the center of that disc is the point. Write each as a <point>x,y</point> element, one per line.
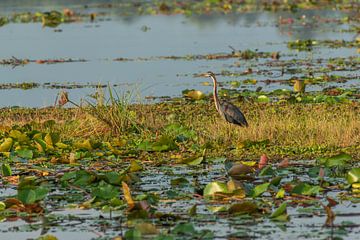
<point>6,170</point>
<point>146,228</point>
<point>193,160</point>
<point>246,207</point>
<point>299,85</point>
<point>86,144</point>
<point>127,195</point>
<point>47,237</point>
<point>179,181</point>
<point>338,160</point>
<point>41,193</point>
<point>259,189</point>
<point>353,176</point>
<point>191,211</point>
<point>40,144</point>
<point>133,234</point>
<point>276,181</point>
<point>135,166</point>
<point>195,95</point>
<point>280,193</point>
<point>263,161</point>
<point>184,228</point>
<point>266,171</point>
<point>105,191</point>
<point>25,153</point>
<point>19,136</point>
<point>330,216</point>
<point>27,196</point>
<point>6,145</point>
<point>306,189</point>
<point>52,138</point>
<point>279,211</point>
<point>238,170</point>
<point>215,187</point>
<point>114,178</point>
<point>165,143</point>
<point>2,206</point>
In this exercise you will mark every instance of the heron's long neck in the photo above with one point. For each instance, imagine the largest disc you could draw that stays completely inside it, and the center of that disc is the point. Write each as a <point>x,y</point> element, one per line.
<point>216,98</point>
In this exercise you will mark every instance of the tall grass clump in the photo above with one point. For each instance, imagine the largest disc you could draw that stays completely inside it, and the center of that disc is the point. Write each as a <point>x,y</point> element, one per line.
<point>113,110</point>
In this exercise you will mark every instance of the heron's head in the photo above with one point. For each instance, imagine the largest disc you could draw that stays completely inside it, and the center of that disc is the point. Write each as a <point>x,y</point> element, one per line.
<point>209,74</point>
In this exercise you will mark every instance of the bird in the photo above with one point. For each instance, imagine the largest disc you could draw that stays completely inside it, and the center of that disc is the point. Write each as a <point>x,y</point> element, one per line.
<point>227,110</point>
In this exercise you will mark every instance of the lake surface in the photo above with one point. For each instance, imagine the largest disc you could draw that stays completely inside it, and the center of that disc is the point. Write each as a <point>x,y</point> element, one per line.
<point>113,35</point>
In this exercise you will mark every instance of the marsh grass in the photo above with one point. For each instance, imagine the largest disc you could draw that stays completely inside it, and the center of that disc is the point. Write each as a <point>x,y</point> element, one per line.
<point>298,127</point>
<point>115,111</point>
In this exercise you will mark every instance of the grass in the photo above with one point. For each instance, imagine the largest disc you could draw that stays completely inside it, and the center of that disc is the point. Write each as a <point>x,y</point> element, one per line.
<point>303,130</point>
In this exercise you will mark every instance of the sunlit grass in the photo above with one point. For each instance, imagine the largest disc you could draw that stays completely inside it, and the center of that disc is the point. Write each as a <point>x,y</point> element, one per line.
<point>298,126</point>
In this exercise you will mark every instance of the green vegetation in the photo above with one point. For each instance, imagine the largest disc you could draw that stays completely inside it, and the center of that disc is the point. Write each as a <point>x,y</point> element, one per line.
<point>108,167</point>
<point>98,162</point>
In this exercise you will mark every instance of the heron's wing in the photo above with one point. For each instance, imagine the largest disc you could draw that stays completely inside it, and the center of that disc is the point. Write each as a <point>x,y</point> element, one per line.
<point>233,114</point>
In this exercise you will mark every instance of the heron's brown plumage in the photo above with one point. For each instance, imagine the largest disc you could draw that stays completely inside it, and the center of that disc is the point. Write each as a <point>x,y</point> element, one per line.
<point>227,110</point>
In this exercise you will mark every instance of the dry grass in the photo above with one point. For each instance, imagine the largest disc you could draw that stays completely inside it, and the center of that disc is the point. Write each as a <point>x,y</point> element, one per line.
<point>284,125</point>
<point>293,125</point>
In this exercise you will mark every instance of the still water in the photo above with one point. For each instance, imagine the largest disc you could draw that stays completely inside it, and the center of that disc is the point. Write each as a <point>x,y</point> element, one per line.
<point>114,35</point>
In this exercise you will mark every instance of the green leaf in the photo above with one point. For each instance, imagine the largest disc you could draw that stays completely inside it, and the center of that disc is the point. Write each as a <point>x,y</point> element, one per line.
<point>6,145</point>
<point>165,143</point>
<point>25,153</point>
<point>133,234</point>
<point>260,189</point>
<point>105,191</point>
<point>280,193</point>
<point>2,206</point>
<point>179,182</point>
<point>83,178</point>
<point>246,207</point>
<point>27,196</point>
<point>266,171</point>
<point>19,136</point>
<point>114,178</point>
<point>193,160</point>
<point>41,144</point>
<point>68,175</point>
<point>192,210</point>
<point>41,193</point>
<point>341,159</point>
<point>195,94</point>
<point>263,99</point>
<point>279,211</point>
<point>135,166</point>
<point>276,181</point>
<point>145,146</point>
<point>6,170</point>
<point>215,187</point>
<point>306,189</point>
<point>163,237</point>
<point>146,228</point>
<point>353,176</point>
<point>184,229</point>
<point>47,237</point>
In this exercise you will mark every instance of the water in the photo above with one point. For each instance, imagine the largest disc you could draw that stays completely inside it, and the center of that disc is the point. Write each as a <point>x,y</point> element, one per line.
<point>114,36</point>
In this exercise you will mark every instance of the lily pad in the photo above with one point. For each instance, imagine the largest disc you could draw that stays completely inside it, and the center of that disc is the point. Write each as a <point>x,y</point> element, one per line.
<point>215,187</point>
<point>353,176</point>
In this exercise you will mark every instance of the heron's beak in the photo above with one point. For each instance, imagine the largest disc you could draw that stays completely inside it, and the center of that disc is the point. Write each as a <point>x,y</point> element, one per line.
<point>204,75</point>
